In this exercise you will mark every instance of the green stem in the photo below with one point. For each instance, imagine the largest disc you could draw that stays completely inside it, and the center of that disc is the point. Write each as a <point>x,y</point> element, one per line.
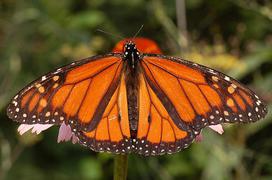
<point>120,167</point>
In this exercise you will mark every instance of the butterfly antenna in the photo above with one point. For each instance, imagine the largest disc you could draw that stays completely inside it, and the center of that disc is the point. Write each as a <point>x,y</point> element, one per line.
<point>111,34</point>
<point>139,30</point>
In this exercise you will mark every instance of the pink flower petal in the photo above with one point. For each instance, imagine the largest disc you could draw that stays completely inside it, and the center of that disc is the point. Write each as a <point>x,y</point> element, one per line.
<point>65,133</point>
<point>23,128</point>
<point>62,132</point>
<point>68,135</point>
<point>199,138</point>
<point>74,139</point>
<point>38,128</point>
<point>44,127</point>
<point>218,128</point>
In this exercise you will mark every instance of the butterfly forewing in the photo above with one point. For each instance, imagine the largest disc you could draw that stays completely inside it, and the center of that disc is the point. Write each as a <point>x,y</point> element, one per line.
<point>72,93</point>
<point>199,96</point>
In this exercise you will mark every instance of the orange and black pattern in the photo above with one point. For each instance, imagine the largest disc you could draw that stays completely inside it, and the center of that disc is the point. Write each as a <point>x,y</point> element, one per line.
<point>66,93</point>
<point>173,100</point>
<point>205,96</point>
<point>112,133</point>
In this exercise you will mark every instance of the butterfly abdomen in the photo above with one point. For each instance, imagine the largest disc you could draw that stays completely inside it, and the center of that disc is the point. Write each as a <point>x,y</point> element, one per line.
<point>132,84</point>
<point>131,58</point>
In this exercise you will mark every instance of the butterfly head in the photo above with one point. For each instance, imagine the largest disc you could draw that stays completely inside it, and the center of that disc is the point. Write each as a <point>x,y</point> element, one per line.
<point>131,54</point>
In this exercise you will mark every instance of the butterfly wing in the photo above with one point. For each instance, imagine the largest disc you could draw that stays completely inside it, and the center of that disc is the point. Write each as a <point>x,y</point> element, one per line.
<point>76,94</point>
<point>112,134</point>
<point>196,96</point>
<point>157,133</point>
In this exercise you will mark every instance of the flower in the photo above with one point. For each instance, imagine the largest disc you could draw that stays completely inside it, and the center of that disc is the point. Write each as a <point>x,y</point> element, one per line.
<point>217,128</point>
<point>65,132</point>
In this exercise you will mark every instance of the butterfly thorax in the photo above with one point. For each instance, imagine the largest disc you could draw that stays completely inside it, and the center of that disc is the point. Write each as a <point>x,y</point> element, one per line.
<point>131,58</point>
<point>131,54</point>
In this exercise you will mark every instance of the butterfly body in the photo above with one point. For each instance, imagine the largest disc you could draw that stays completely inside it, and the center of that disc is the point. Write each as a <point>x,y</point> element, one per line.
<point>134,101</point>
<point>131,68</point>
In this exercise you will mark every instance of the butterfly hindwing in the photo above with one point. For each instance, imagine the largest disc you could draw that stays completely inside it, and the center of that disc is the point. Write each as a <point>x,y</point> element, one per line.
<point>75,94</point>
<point>198,95</point>
<point>157,133</point>
<point>112,134</point>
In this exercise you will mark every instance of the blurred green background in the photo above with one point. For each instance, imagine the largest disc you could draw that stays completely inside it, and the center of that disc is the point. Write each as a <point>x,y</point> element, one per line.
<point>233,36</point>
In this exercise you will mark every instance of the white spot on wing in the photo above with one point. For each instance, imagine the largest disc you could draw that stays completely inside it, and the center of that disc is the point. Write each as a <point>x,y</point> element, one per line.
<point>227,78</point>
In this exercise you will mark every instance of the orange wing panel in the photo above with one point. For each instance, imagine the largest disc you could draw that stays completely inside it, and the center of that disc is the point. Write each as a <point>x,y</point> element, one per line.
<point>179,134</point>
<point>195,97</point>
<point>155,100</point>
<point>90,135</point>
<point>112,131</point>
<point>177,69</point>
<point>246,97</point>
<point>102,130</point>
<point>144,109</point>
<point>98,88</point>
<point>61,95</point>
<point>75,98</point>
<point>114,125</point>
<point>170,86</point>
<point>26,97</point>
<point>90,69</point>
<point>239,101</point>
<point>167,132</point>
<point>123,108</point>
<point>211,95</point>
<point>157,133</point>
<point>33,102</point>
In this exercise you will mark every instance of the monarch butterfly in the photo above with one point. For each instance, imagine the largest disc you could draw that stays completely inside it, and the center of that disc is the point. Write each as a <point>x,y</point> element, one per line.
<point>134,100</point>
